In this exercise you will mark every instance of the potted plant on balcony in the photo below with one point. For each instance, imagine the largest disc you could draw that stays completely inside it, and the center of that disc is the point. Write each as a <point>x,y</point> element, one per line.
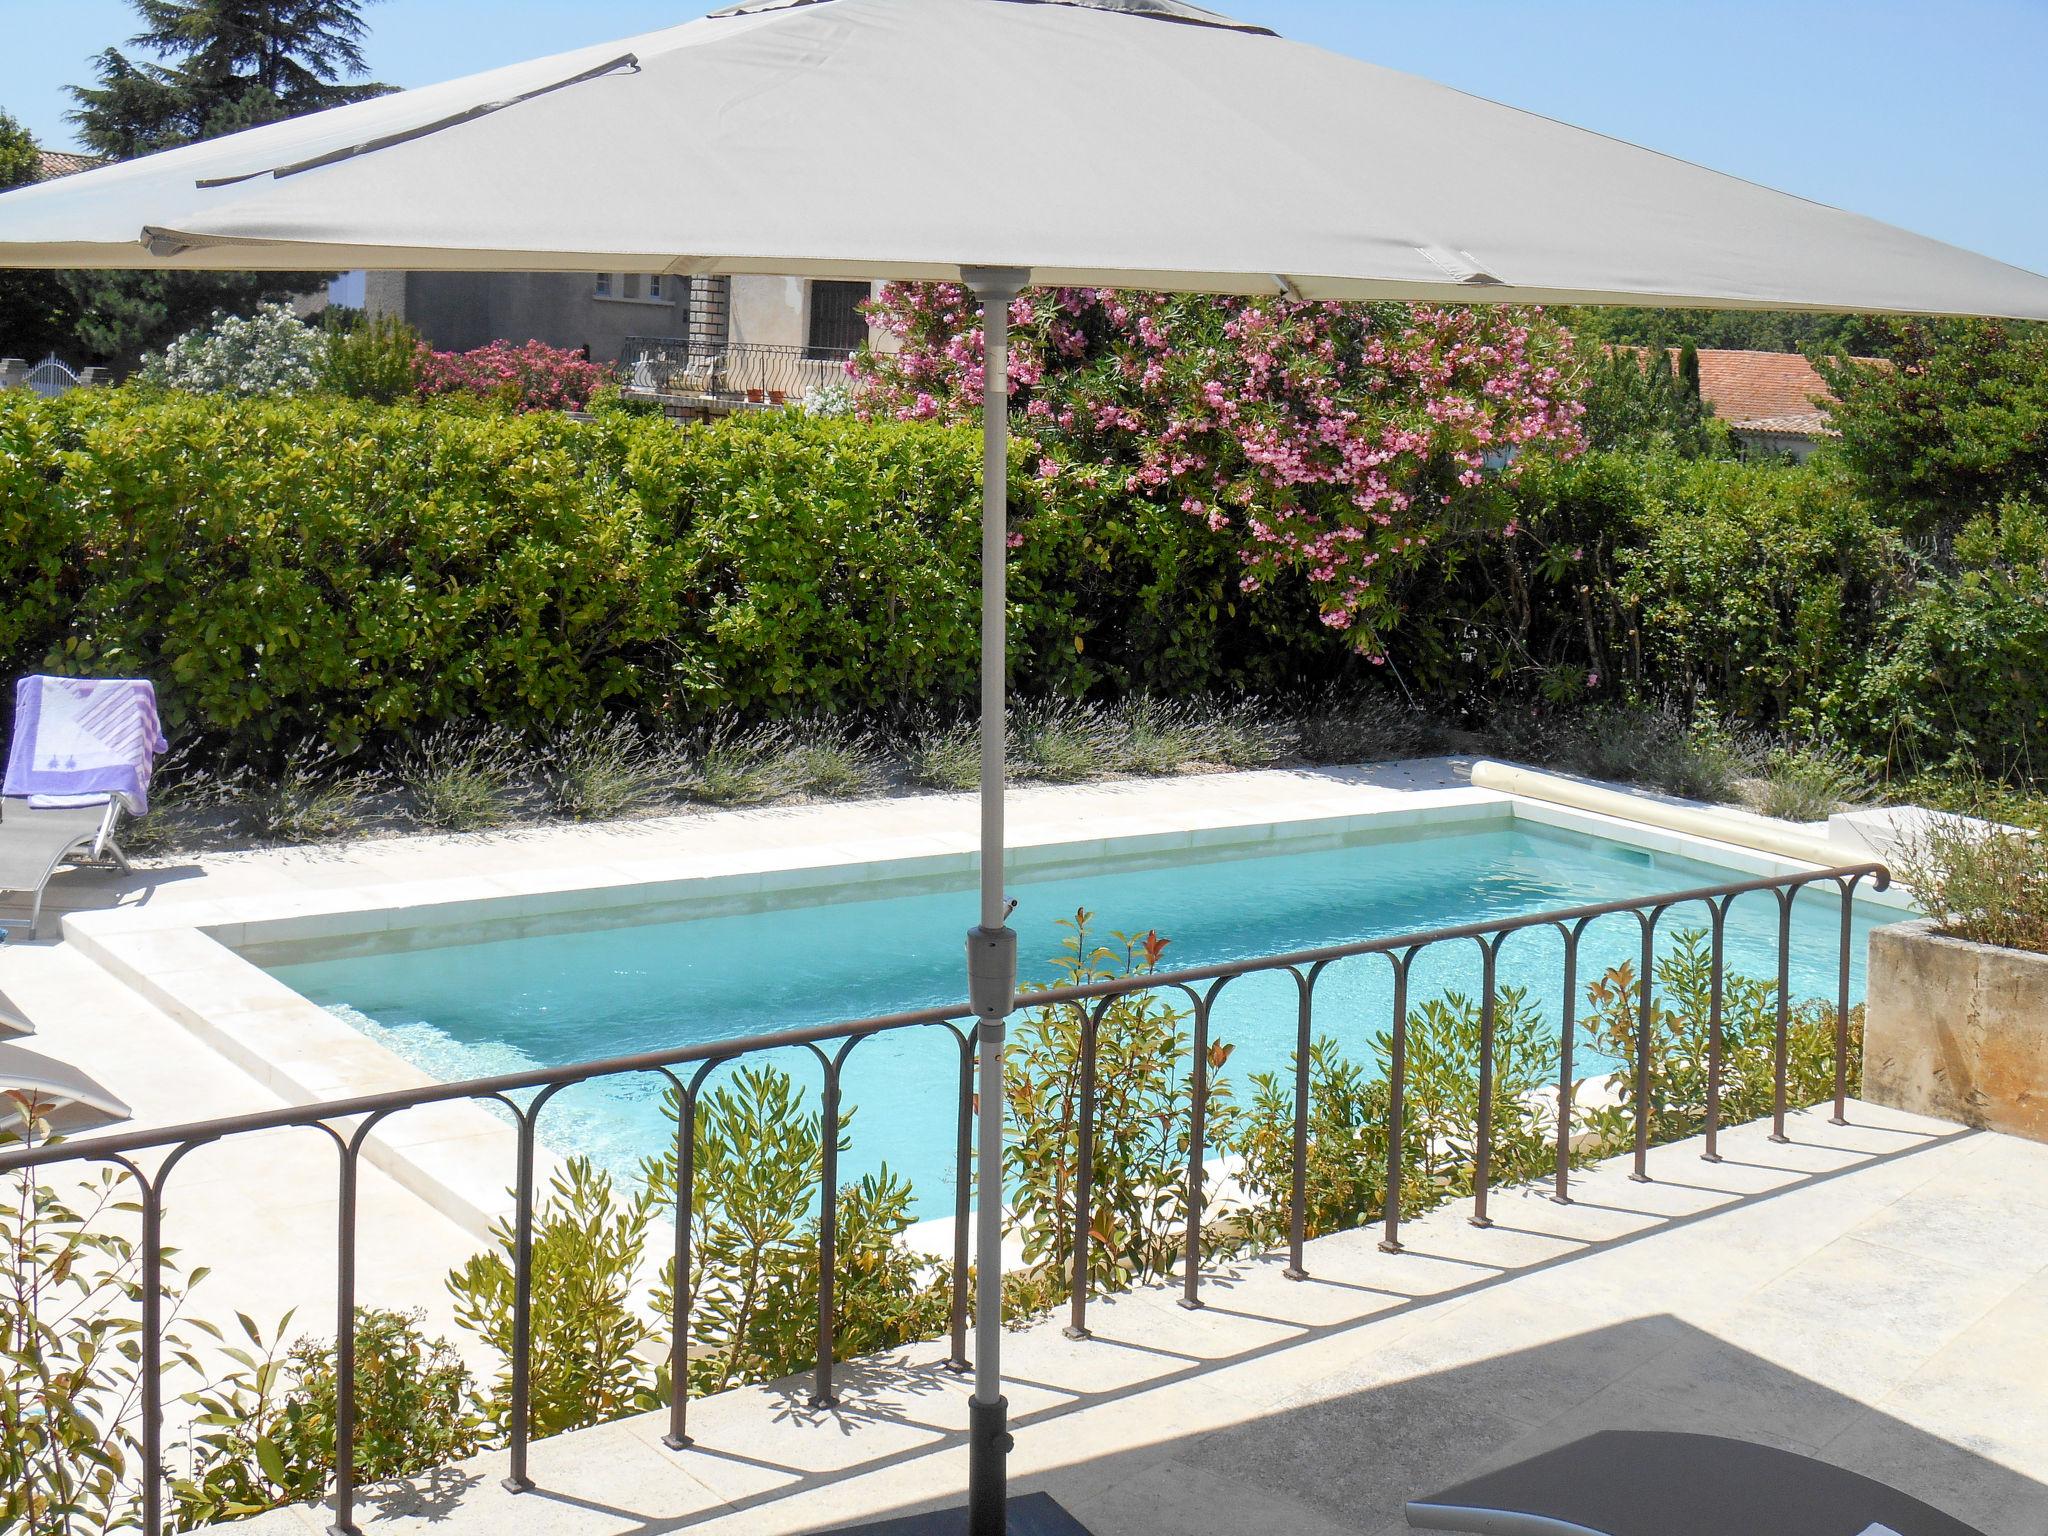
<point>1957,1023</point>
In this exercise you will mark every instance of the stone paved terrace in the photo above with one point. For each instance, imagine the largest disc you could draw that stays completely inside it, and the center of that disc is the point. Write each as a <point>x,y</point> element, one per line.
<point>1876,1295</point>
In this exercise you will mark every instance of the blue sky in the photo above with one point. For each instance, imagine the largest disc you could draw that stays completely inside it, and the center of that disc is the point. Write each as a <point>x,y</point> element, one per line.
<point>1925,113</point>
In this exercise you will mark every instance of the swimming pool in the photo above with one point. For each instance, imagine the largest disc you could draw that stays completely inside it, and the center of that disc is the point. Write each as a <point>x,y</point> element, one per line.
<point>501,1005</point>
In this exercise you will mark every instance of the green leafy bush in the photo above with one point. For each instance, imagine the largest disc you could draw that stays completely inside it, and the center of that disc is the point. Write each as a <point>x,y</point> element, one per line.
<point>1142,1128</point>
<point>1987,886</point>
<point>1959,684</point>
<point>264,1434</point>
<point>1346,1176</point>
<point>1951,429</point>
<point>587,1331</point>
<point>272,352</point>
<point>1681,1024</point>
<point>326,566</point>
<point>756,1240</point>
<point>70,1371</point>
<point>369,357</point>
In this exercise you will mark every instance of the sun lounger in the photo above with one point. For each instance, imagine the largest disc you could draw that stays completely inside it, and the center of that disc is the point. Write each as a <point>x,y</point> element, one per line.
<point>12,1020</point>
<point>34,842</point>
<point>33,1083</point>
<point>80,755</point>
<point>1650,1483</point>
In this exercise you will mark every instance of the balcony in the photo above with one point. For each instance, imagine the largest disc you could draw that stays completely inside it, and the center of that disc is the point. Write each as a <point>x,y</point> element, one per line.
<point>687,377</point>
<point>1875,1295</point>
<point>1872,1292</point>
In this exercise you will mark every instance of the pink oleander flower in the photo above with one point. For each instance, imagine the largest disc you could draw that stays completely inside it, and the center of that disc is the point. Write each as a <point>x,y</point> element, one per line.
<point>1339,444</point>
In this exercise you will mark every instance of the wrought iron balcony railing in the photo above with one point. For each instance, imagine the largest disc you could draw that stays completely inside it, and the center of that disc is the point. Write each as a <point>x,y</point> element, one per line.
<point>150,1157</point>
<point>674,368</point>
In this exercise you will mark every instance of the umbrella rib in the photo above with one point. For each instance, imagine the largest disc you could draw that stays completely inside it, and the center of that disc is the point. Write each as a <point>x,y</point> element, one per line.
<point>625,61</point>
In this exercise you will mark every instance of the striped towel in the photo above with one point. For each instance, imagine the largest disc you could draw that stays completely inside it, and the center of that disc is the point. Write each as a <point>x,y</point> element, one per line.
<point>78,740</point>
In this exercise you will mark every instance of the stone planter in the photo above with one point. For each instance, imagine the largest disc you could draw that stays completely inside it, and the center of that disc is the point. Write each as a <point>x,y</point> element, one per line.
<point>1957,1030</point>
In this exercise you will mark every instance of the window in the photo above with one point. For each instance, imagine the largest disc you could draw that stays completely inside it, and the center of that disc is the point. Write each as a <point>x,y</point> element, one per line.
<point>632,285</point>
<point>837,325</point>
<point>603,286</point>
<point>654,286</point>
<point>349,290</point>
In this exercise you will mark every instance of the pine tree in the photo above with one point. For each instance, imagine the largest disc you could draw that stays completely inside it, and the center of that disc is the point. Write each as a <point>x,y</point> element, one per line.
<point>221,65</point>
<point>203,68</point>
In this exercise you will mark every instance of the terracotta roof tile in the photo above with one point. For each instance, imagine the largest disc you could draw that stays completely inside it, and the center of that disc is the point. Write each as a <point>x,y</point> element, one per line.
<point>1777,392</point>
<point>62,162</point>
<point>1748,389</point>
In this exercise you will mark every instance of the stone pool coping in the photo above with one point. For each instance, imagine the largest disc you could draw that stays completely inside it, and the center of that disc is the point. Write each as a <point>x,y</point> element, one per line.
<point>189,953</point>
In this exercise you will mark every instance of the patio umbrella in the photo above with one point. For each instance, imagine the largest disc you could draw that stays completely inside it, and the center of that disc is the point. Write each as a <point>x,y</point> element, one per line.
<point>1120,143</point>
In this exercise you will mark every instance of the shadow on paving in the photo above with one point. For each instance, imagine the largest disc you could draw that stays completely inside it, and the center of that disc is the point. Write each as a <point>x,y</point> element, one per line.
<point>1341,1452</point>
<point>1349,1460</point>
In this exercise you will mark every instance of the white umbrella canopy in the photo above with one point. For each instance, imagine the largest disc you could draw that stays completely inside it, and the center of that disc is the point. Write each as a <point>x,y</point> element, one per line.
<point>1085,140</point>
<point>1143,144</point>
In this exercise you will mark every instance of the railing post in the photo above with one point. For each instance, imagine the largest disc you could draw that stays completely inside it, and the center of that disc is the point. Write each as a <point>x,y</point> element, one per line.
<point>1084,1173</point>
<point>1841,1115</point>
<point>1297,1204</point>
<point>152,1366</point>
<point>345,1348</point>
<point>515,1479</point>
<point>1715,1044</point>
<point>1784,1017</point>
<point>1198,1107</point>
<point>962,1223</point>
<point>828,1240</point>
<point>1566,1084</point>
<point>1397,1082</point>
<point>682,1294</point>
<point>1646,1022</point>
<point>1482,1156</point>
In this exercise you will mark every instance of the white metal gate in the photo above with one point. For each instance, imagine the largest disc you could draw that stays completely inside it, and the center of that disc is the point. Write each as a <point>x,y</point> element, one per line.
<point>51,378</point>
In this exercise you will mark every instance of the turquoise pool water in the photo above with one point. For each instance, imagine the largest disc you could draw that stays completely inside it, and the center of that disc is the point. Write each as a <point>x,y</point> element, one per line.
<point>475,1009</point>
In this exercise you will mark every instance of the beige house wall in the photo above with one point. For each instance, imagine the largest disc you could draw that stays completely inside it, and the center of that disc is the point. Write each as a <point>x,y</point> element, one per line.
<point>458,311</point>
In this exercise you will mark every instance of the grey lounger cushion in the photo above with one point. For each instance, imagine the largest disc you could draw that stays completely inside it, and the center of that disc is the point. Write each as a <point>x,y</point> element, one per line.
<point>53,1084</point>
<point>1648,1483</point>
<point>34,842</point>
<point>12,1020</point>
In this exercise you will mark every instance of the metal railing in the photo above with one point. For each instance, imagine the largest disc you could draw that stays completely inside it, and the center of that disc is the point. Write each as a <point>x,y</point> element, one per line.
<point>676,368</point>
<point>349,1123</point>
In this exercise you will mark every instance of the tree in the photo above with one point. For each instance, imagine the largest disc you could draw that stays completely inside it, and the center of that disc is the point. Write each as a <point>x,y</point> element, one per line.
<point>206,68</point>
<point>1955,427</point>
<point>36,311</point>
<point>1736,330</point>
<point>1332,447</point>
<point>1635,401</point>
<point>220,66</point>
<point>1689,370</point>
<point>20,163</point>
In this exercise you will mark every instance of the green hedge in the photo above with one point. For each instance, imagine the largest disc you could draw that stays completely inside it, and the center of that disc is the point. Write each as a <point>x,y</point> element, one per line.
<point>286,569</point>
<point>323,567</point>
<point>1781,597</point>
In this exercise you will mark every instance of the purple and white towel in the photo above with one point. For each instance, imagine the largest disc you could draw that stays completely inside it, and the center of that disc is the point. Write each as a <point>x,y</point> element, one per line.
<point>79,739</point>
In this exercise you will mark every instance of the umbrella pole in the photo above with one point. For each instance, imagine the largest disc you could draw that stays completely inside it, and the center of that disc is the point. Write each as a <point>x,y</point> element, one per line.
<point>991,947</point>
